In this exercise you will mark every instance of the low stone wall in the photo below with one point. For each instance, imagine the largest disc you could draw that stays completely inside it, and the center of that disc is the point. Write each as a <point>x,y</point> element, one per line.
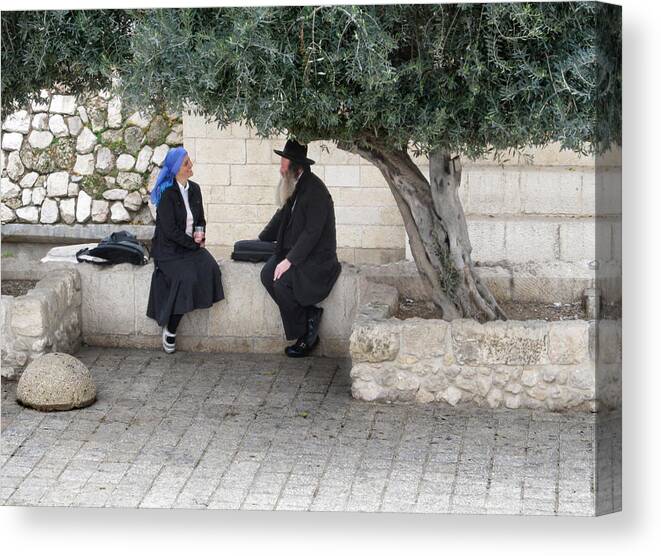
<point>47,318</point>
<point>512,364</point>
<point>246,321</point>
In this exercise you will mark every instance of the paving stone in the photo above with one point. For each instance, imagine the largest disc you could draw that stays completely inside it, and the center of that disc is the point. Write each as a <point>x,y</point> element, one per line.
<point>230,431</point>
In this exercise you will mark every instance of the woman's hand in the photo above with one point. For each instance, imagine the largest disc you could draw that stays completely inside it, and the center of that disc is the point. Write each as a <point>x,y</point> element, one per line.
<point>283,266</point>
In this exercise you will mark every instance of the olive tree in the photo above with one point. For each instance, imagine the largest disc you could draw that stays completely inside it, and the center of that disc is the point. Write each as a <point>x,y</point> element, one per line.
<point>449,81</point>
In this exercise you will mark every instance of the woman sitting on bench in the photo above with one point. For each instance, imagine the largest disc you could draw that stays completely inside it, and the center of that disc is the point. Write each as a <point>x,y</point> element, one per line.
<point>186,276</point>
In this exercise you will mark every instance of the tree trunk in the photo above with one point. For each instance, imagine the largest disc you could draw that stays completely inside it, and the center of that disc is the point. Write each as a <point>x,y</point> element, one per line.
<point>436,225</point>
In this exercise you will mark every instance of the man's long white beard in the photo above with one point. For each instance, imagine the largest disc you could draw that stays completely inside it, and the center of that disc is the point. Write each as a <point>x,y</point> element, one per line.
<point>285,189</point>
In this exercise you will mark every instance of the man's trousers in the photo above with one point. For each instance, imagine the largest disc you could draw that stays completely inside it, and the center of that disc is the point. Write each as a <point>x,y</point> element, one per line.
<point>294,315</point>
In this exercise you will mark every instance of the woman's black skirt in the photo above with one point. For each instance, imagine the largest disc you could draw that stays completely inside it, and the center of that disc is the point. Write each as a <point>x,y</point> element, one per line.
<point>184,284</point>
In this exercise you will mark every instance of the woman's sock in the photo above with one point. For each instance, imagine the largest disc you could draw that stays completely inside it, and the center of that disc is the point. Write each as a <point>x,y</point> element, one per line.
<point>173,323</point>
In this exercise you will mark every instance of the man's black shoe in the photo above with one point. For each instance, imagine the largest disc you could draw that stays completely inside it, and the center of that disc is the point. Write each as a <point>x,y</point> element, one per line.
<point>314,320</point>
<point>301,348</point>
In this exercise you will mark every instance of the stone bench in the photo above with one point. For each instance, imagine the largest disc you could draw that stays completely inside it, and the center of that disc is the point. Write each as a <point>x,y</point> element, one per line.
<point>114,303</point>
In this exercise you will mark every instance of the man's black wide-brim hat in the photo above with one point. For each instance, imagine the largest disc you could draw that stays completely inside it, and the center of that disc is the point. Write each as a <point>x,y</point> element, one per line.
<point>295,151</point>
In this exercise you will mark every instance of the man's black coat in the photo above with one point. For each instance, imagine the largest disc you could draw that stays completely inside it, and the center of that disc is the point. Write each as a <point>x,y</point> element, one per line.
<point>170,239</point>
<point>306,237</point>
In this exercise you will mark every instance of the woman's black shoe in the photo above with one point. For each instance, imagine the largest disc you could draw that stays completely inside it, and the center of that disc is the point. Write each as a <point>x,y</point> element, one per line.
<point>301,348</point>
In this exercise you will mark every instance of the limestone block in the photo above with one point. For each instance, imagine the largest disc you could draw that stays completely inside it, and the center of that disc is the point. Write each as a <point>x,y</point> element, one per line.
<point>554,374</point>
<point>28,214</point>
<point>255,175</point>
<point>40,139</point>
<point>423,338</point>
<point>14,166</point>
<point>512,401</point>
<point>552,191</point>
<point>159,154</point>
<point>229,151</point>
<point>118,213</point>
<point>495,398</point>
<point>246,311</point>
<point>75,125</point>
<point>100,211</point>
<point>175,137</point>
<point>108,314</point>
<point>125,162</point>
<point>63,104</point>
<point>68,210</point>
<point>483,384</point>
<point>40,122</point>
<point>499,342</point>
<point>49,211</point>
<point>144,158</point>
<point>367,391</point>
<point>12,141</point>
<point>86,141</point>
<point>492,190</point>
<point>115,112</point>
<point>568,342</point>
<point>18,122</point>
<point>582,377</point>
<point>133,201</point>
<point>83,207</point>
<point>38,195</point>
<point>6,214</point>
<point>73,189</point>
<point>105,160</point>
<point>433,380</point>
<point>530,240</point>
<point>342,176</point>
<point>375,341</point>
<point>29,316</point>
<point>9,190</point>
<point>56,382</point>
<point>129,180</point>
<point>382,237</point>
<point>529,377</point>
<point>82,113</point>
<point>139,119</point>
<point>26,197</point>
<point>115,194</point>
<point>57,184</point>
<point>452,395</point>
<point>29,179</point>
<point>57,126</point>
<point>488,240</point>
<point>133,137</point>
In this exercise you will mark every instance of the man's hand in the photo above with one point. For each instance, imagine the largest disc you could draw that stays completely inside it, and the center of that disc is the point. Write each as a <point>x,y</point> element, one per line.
<point>283,266</point>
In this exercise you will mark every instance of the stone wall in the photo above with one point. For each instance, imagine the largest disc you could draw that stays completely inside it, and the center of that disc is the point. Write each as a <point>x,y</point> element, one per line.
<point>511,364</point>
<point>83,159</point>
<point>538,210</point>
<point>47,318</point>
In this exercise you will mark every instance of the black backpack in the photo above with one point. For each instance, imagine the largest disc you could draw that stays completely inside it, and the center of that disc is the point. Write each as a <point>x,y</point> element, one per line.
<point>119,247</point>
<point>253,250</point>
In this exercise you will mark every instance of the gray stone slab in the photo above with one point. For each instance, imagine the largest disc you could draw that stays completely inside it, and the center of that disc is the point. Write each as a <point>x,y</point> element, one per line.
<point>158,437</point>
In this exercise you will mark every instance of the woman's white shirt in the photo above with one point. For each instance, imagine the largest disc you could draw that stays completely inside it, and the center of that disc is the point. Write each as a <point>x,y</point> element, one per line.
<point>184,189</point>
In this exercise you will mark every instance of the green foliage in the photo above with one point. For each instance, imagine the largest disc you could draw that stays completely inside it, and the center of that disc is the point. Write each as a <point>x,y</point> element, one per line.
<point>74,49</point>
<point>460,77</point>
<point>94,185</point>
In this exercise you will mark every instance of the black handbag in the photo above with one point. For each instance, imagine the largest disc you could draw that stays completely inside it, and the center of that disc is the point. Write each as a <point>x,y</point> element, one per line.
<point>253,250</point>
<point>119,247</point>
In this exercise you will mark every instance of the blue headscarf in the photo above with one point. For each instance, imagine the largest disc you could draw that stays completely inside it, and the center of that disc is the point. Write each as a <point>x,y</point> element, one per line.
<point>171,165</point>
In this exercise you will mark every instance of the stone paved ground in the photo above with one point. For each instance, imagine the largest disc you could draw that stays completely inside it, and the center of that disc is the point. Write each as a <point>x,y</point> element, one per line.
<point>265,432</point>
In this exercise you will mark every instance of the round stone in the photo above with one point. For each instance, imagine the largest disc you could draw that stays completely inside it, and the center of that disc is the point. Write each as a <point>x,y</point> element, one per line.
<point>56,382</point>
